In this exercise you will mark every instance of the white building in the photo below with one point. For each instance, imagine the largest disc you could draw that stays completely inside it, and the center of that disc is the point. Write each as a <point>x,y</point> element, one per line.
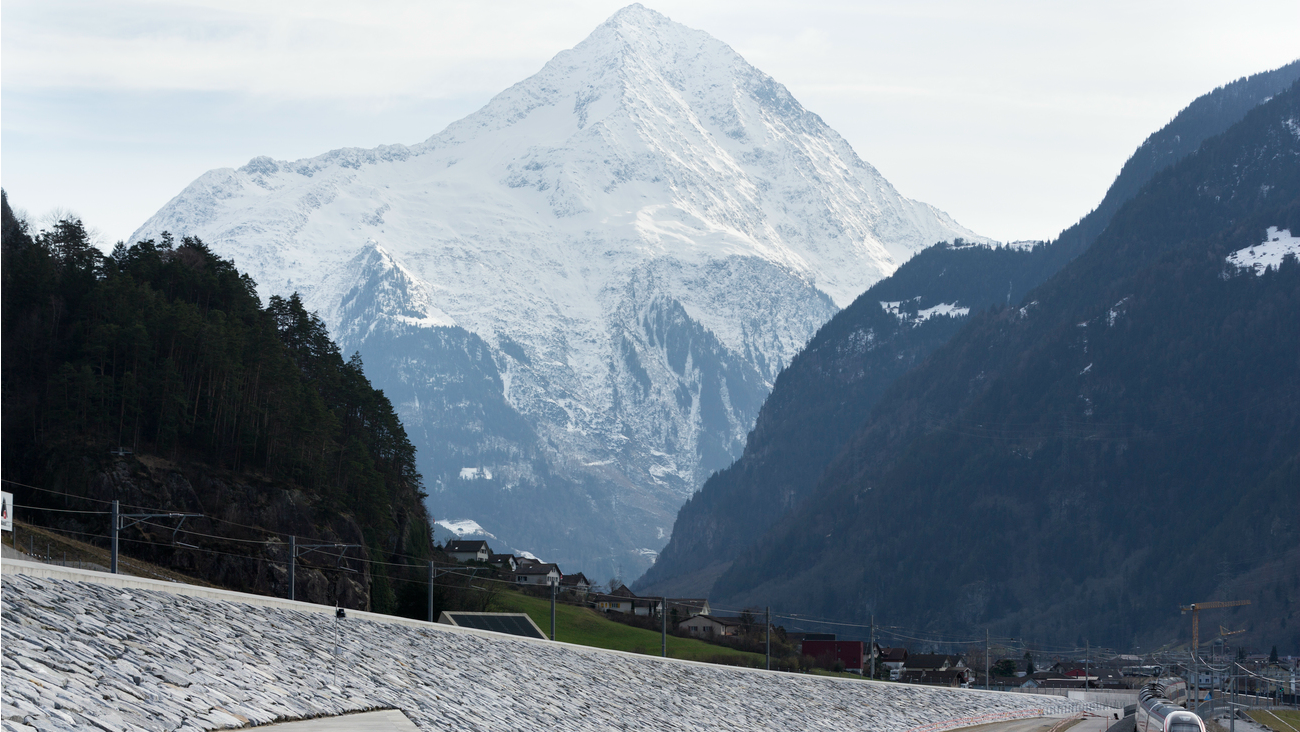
<point>538,574</point>
<point>468,550</point>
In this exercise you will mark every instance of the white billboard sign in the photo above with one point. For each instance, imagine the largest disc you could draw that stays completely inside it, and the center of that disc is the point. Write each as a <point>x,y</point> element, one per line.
<point>7,511</point>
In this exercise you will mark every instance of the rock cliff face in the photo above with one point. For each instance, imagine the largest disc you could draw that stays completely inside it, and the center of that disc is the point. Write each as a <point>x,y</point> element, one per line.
<point>579,295</point>
<point>240,544</point>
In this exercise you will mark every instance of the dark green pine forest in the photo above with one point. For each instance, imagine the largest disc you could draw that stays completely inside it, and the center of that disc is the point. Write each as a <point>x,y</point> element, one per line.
<point>247,414</point>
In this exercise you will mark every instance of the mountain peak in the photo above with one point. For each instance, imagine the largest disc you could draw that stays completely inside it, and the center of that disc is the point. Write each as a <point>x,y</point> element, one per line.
<point>638,15</point>
<point>649,30</point>
<point>648,164</point>
<point>643,42</point>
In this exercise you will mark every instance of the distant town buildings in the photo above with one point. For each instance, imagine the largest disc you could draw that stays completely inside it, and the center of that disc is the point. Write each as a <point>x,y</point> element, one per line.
<point>1262,673</point>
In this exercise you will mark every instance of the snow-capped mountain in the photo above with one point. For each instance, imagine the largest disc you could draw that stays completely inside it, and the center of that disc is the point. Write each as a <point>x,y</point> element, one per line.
<point>579,295</point>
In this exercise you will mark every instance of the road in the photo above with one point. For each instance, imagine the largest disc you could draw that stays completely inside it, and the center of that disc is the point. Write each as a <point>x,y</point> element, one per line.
<point>1092,722</point>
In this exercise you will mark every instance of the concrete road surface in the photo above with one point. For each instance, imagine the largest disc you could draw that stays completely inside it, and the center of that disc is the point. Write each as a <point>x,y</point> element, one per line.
<point>387,721</point>
<point>1091,722</point>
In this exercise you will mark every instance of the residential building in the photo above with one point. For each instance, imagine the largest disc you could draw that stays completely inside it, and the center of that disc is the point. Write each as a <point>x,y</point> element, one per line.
<point>619,600</point>
<point>538,574</point>
<point>577,583</point>
<point>933,662</point>
<point>708,626</point>
<point>650,606</point>
<point>894,660</point>
<point>468,550</point>
<point>681,608</point>
<point>504,561</point>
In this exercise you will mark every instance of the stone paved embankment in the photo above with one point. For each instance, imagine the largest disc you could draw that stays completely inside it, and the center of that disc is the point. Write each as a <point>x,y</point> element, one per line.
<point>81,655</point>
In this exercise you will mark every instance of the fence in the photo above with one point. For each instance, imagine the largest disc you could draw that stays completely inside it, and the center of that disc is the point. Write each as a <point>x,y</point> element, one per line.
<point>1114,698</point>
<point>1221,700</point>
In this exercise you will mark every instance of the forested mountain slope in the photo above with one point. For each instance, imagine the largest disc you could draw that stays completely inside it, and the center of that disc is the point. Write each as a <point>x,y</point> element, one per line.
<point>1075,468</point>
<point>246,414</point>
<point>830,388</point>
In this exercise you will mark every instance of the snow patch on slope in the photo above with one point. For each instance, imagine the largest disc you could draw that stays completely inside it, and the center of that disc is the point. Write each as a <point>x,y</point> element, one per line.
<point>897,308</point>
<point>1277,244</point>
<point>464,527</point>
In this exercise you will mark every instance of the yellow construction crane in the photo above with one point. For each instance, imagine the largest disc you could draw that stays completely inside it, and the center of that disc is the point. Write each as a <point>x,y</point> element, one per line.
<point>1225,632</point>
<point>1196,608</point>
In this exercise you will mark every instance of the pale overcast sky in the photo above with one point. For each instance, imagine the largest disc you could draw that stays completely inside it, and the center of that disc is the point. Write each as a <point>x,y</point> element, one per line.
<point>1013,116</point>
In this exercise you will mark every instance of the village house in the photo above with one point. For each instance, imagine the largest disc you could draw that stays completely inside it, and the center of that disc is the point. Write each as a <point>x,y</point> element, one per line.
<point>934,669</point>
<point>576,583</point>
<point>468,550</point>
<point>619,600</point>
<point>647,606</point>
<point>538,574</point>
<point>504,561</point>
<point>1281,675</point>
<point>681,608</point>
<point>894,660</point>
<point>933,662</point>
<point>708,626</point>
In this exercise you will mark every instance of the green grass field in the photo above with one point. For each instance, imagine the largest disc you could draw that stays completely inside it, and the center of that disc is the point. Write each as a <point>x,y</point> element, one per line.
<point>584,626</point>
<point>1282,720</point>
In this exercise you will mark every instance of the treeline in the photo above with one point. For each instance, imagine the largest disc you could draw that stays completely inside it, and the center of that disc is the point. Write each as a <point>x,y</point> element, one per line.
<point>164,348</point>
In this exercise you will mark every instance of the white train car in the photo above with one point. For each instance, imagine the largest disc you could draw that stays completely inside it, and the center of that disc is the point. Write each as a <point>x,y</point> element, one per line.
<point>1159,708</point>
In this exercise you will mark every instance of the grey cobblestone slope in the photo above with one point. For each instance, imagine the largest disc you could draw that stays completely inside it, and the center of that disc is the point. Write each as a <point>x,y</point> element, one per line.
<point>78,655</point>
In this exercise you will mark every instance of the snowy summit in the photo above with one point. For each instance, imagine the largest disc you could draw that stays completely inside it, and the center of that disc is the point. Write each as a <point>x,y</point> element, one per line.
<point>587,286</point>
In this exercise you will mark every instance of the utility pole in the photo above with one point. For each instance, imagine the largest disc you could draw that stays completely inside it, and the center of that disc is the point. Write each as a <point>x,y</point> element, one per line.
<point>663,626</point>
<point>119,517</point>
<point>1232,705</point>
<point>873,645</point>
<point>293,562</point>
<point>986,659</point>
<point>430,613</point>
<point>112,565</point>
<point>1087,656</point>
<point>554,585</point>
<point>769,637</point>
<point>293,558</point>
